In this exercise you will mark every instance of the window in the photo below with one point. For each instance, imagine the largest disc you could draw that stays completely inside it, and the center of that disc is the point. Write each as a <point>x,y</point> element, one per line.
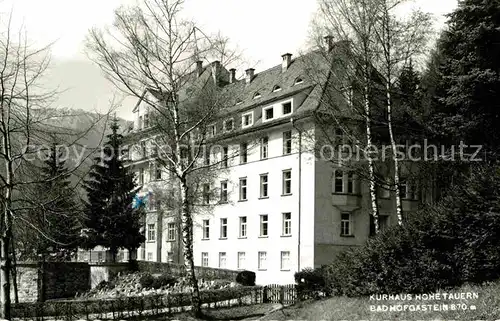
<point>224,156</point>
<point>140,122</point>
<point>223,191</point>
<point>151,233</point>
<point>404,190</point>
<point>222,260</point>
<point>212,130</point>
<point>243,189</point>
<point>228,125</point>
<point>345,224</point>
<point>241,260</point>
<point>339,137</point>
<point>146,120</point>
<point>384,188</point>
<point>150,202</point>
<point>287,108</point>
<point>157,172</point>
<point>276,88</point>
<point>143,148</point>
<point>287,142</point>
<point>338,181</point>
<point>264,225</point>
<point>298,81</point>
<point>153,149</point>
<point>383,222</point>
<point>170,257</point>
<point>264,147</point>
<point>262,260</point>
<point>285,260</point>
<point>268,113</point>
<point>150,256</point>
<point>206,229</point>
<point>204,258</point>
<point>243,226</point>
<point>243,153</point>
<point>287,182</point>
<point>171,232</point>
<point>206,194</point>
<point>206,156</point>
<point>287,224</point>
<point>256,95</point>
<point>351,183</point>
<point>264,186</point>
<point>223,228</point>
<point>247,120</point>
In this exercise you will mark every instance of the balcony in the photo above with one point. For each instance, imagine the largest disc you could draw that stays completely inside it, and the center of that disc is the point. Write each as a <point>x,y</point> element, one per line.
<point>347,201</point>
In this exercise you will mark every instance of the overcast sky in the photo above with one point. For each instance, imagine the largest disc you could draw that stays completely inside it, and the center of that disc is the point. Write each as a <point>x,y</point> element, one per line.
<point>264,29</point>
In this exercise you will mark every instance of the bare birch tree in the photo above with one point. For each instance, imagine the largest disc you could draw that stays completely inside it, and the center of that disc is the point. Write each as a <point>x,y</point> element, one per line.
<point>155,55</point>
<point>399,41</point>
<point>351,25</point>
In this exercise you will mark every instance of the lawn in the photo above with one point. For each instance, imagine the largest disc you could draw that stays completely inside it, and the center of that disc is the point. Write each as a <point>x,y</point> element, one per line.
<point>486,306</point>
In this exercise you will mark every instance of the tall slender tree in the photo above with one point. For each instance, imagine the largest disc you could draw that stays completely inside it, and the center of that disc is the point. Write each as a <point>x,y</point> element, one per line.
<point>110,218</point>
<point>159,62</point>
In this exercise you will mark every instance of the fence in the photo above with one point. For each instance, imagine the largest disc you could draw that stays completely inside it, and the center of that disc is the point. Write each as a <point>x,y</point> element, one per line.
<point>155,305</point>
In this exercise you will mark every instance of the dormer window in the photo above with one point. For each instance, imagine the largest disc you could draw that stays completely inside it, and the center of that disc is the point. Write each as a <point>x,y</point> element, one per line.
<point>276,88</point>
<point>268,113</point>
<point>247,120</point>
<point>256,95</point>
<point>287,108</point>
<point>228,125</point>
<point>146,120</point>
<point>298,81</point>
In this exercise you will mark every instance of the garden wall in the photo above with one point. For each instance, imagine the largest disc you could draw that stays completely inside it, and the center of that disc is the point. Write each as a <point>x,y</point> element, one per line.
<point>51,280</point>
<point>179,270</point>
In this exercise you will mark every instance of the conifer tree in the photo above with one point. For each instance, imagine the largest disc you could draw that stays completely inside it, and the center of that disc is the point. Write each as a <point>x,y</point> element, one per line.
<point>55,223</point>
<point>110,219</point>
<point>469,83</point>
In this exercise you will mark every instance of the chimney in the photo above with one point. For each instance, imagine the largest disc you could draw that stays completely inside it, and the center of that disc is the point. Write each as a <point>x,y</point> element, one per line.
<point>285,63</point>
<point>199,68</point>
<point>249,76</point>
<point>329,42</point>
<point>232,75</point>
<point>216,71</point>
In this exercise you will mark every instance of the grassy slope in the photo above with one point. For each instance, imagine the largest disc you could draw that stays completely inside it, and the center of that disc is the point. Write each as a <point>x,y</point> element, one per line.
<point>343,308</point>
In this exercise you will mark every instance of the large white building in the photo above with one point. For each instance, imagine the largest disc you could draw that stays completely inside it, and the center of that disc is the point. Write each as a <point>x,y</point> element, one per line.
<point>278,208</point>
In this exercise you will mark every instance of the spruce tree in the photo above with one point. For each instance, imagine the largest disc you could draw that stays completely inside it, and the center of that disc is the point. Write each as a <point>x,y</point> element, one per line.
<point>469,84</point>
<point>110,219</point>
<point>55,219</point>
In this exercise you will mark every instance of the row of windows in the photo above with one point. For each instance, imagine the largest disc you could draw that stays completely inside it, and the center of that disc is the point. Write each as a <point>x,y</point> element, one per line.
<point>247,119</point>
<point>286,226</point>
<point>244,148</point>
<point>171,232</point>
<point>241,262</point>
<point>286,188</point>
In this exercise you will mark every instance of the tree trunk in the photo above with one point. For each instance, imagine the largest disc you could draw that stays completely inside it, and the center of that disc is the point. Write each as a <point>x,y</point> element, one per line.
<point>14,271</point>
<point>371,167</point>
<point>399,207</point>
<point>187,238</point>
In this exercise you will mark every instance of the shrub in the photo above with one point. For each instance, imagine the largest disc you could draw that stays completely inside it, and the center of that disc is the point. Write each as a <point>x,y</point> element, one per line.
<point>310,282</point>
<point>246,278</point>
<point>146,281</point>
